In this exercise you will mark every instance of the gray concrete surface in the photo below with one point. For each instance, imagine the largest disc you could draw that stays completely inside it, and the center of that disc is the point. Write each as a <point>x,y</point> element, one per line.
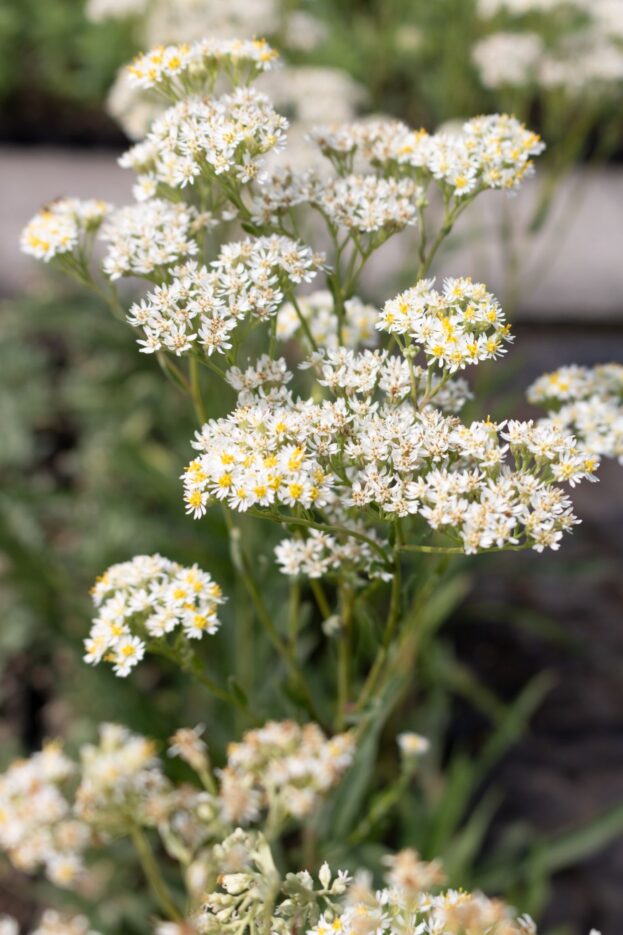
<point>30,177</point>
<point>583,277</point>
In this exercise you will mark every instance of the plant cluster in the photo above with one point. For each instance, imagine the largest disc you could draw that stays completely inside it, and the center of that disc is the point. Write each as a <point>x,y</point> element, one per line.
<point>360,456</point>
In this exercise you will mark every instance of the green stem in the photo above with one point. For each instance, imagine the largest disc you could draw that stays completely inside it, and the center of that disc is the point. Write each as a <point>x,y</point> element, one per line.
<point>275,516</point>
<point>347,599</point>
<point>195,391</point>
<point>303,322</point>
<point>294,612</point>
<point>153,876</point>
<point>451,215</point>
<point>243,566</point>
<point>321,598</point>
<point>458,550</point>
<point>390,626</point>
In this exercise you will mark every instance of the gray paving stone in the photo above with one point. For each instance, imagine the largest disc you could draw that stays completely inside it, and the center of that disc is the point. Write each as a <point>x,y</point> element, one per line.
<point>30,177</point>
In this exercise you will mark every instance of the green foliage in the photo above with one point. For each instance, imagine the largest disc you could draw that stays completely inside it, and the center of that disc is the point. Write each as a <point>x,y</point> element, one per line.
<point>50,49</point>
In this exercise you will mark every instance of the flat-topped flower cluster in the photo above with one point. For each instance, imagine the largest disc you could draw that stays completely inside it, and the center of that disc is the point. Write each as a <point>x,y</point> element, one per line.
<point>412,900</point>
<point>385,452</point>
<point>142,602</point>
<point>225,139</point>
<point>184,69</point>
<point>62,226</point>
<point>494,151</point>
<point>281,766</point>
<point>588,402</point>
<point>37,827</point>
<point>463,324</point>
<point>203,305</point>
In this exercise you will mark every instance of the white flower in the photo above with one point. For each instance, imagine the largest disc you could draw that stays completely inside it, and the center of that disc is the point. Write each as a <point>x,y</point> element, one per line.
<point>182,69</point>
<point>148,238</point>
<point>508,58</point>
<point>413,744</point>
<point>61,227</point>
<point>202,306</point>
<point>212,139</point>
<point>148,597</point>
<point>462,325</point>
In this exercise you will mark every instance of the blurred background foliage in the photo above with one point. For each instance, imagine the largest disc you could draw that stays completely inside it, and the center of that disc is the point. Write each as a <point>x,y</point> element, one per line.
<point>413,57</point>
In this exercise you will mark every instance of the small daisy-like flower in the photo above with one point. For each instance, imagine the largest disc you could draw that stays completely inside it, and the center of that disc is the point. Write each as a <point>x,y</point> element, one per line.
<point>145,600</point>
<point>214,141</point>
<point>413,744</point>
<point>62,227</point>
<point>37,829</point>
<point>284,766</point>
<point>464,324</point>
<point>148,238</point>
<point>179,70</point>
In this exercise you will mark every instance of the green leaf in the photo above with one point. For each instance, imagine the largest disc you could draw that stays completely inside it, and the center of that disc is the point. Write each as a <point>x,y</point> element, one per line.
<point>465,846</point>
<point>511,727</point>
<point>237,690</point>
<point>571,847</point>
<point>450,808</point>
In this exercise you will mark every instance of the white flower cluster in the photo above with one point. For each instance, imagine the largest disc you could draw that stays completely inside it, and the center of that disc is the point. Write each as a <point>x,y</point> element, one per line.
<point>521,59</point>
<point>283,765</point>
<point>37,828</point>
<point>320,553</point>
<point>120,780</point>
<point>145,600</point>
<point>52,809</point>
<point>99,10</point>
<point>319,312</point>
<point>487,152</point>
<point>202,306</point>
<point>338,904</point>
<point>257,457</point>
<point>203,138</point>
<point>367,204</point>
<point>61,227</point>
<point>50,923</point>
<point>410,902</point>
<point>266,376</point>
<point>585,401</point>
<point>146,239</point>
<point>391,457</point>
<point>183,69</point>
<point>398,912</point>
<point>343,372</point>
<point>464,324</point>
<point>581,53</point>
<point>509,58</point>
